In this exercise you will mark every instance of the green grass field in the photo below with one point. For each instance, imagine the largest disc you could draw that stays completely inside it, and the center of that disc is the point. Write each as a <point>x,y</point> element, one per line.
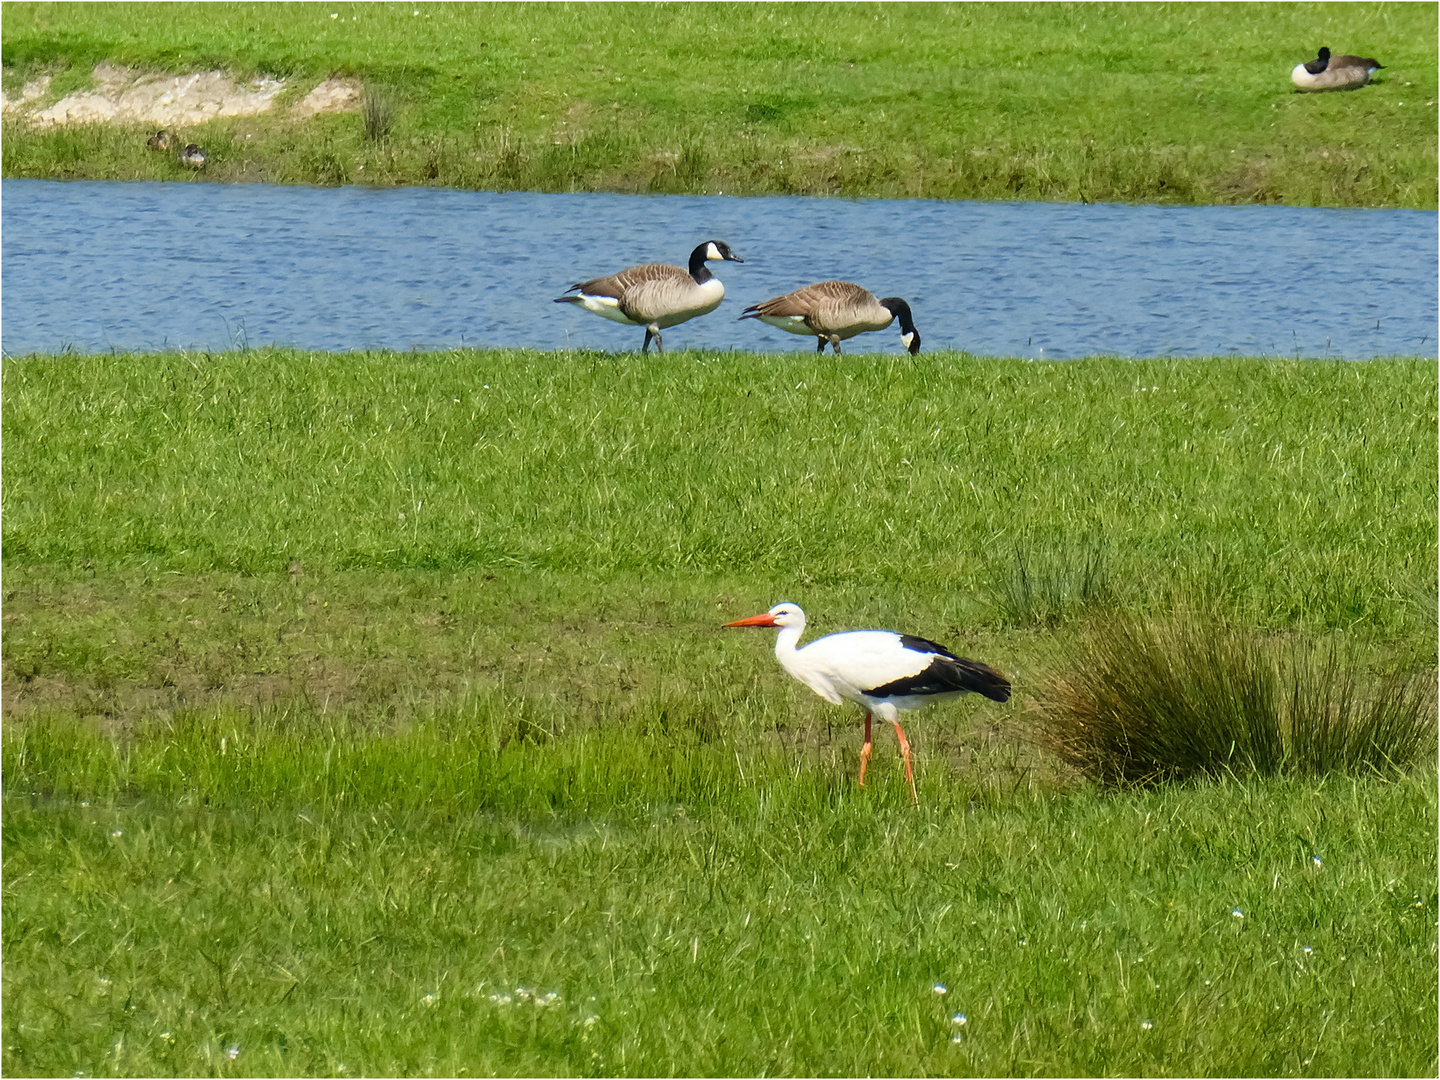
<point>1155,103</point>
<point>370,714</point>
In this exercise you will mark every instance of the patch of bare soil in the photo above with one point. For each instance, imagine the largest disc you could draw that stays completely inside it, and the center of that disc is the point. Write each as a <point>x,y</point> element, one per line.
<point>122,95</point>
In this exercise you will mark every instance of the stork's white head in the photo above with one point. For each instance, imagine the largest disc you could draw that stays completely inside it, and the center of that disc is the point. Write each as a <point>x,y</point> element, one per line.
<point>785,614</point>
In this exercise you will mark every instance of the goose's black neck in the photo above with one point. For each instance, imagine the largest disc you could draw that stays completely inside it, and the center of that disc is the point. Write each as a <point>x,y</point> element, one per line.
<point>901,310</point>
<point>698,270</point>
<point>1320,63</point>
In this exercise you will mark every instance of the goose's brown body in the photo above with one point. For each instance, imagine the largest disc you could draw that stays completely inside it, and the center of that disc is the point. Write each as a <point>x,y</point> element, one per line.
<point>834,311</point>
<point>1328,72</point>
<point>655,295</point>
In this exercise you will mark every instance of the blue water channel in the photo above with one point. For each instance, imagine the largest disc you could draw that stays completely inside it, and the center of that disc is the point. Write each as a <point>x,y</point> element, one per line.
<point>108,266</point>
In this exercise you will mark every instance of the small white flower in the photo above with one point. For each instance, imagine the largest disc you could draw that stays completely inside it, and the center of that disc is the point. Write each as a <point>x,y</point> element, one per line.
<point>428,999</point>
<point>233,1052</point>
<point>1146,1025</point>
<point>940,988</point>
<point>1309,951</point>
<point>118,832</point>
<point>590,1020</point>
<point>1237,913</point>
<point>1316,860</point>
<point>955,1038</point>
<point>958,1019</point>
<point>334,14</point>
<point>165,1035</point>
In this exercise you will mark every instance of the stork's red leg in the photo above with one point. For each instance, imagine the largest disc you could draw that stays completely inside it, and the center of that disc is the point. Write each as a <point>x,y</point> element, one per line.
<point>865,750</point>
<point>905,752</point>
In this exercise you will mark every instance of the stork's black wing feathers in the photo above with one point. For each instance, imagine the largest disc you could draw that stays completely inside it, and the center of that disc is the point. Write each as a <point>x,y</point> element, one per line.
<point>920,644</point>
<point>946,674</point>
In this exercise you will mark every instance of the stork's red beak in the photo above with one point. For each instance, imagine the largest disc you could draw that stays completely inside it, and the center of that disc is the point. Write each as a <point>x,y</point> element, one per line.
<point>754,620</point>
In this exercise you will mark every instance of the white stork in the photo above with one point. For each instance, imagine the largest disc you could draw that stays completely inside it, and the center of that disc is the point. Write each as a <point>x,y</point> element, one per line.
<point>881,671</point>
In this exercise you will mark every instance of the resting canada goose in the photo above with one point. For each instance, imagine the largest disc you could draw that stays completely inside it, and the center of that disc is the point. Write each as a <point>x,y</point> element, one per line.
<point>834,311</point>
<point>1328,72</point>
<point>193,156</point>
<point>657,295</point>
<point>161,140</point>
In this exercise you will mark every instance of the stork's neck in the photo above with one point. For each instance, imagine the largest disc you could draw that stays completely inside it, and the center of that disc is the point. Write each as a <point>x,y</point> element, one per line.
<point>785,646</point>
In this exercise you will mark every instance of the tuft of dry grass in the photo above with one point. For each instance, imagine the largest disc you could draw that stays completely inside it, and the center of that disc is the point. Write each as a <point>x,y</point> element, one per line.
<point>1144,702</point>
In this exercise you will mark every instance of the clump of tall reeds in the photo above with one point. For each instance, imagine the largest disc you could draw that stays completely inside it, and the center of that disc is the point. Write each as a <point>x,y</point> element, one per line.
<point>1044,587</point>
<point>377,113</point>
<point>1146,702</point>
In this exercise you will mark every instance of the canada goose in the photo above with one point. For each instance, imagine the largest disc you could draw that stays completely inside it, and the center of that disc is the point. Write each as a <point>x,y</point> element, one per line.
<point>656,295</point>
<point>193,156</point>
<point>161,140</point>
<point>1328,72</point>
<point>834,311</point>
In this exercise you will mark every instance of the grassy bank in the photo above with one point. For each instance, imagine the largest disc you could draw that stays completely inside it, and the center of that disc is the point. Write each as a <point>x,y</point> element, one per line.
<point>1183,104</point>
<point>356,705</point>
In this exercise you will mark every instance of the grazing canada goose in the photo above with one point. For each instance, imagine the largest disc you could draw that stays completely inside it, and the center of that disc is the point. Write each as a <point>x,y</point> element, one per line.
<point>657,295</point>
<point>834,311</point>
<point>1328,72</point>
<point>193,156</point>
<point>161,140</point>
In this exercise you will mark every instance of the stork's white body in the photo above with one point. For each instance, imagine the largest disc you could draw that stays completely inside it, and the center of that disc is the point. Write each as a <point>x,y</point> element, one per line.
<point>850,666</point>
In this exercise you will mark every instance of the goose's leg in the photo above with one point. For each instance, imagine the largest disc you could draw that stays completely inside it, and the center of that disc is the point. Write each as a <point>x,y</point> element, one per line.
<point>648,335</point>
<point>905,752</point>
<point>820,344</point>
<point>659,345</point>
<point>865,750</point>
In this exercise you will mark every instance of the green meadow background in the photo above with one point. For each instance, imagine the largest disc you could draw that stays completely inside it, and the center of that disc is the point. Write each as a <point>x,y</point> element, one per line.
<point>370,713</point>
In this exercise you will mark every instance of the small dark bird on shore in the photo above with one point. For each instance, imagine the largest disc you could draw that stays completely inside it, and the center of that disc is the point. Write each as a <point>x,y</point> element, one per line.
<point>193,156</point>
<point>161,140</point>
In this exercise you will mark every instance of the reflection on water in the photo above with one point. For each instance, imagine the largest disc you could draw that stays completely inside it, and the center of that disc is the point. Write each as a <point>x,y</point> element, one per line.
<point>101,266</point>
